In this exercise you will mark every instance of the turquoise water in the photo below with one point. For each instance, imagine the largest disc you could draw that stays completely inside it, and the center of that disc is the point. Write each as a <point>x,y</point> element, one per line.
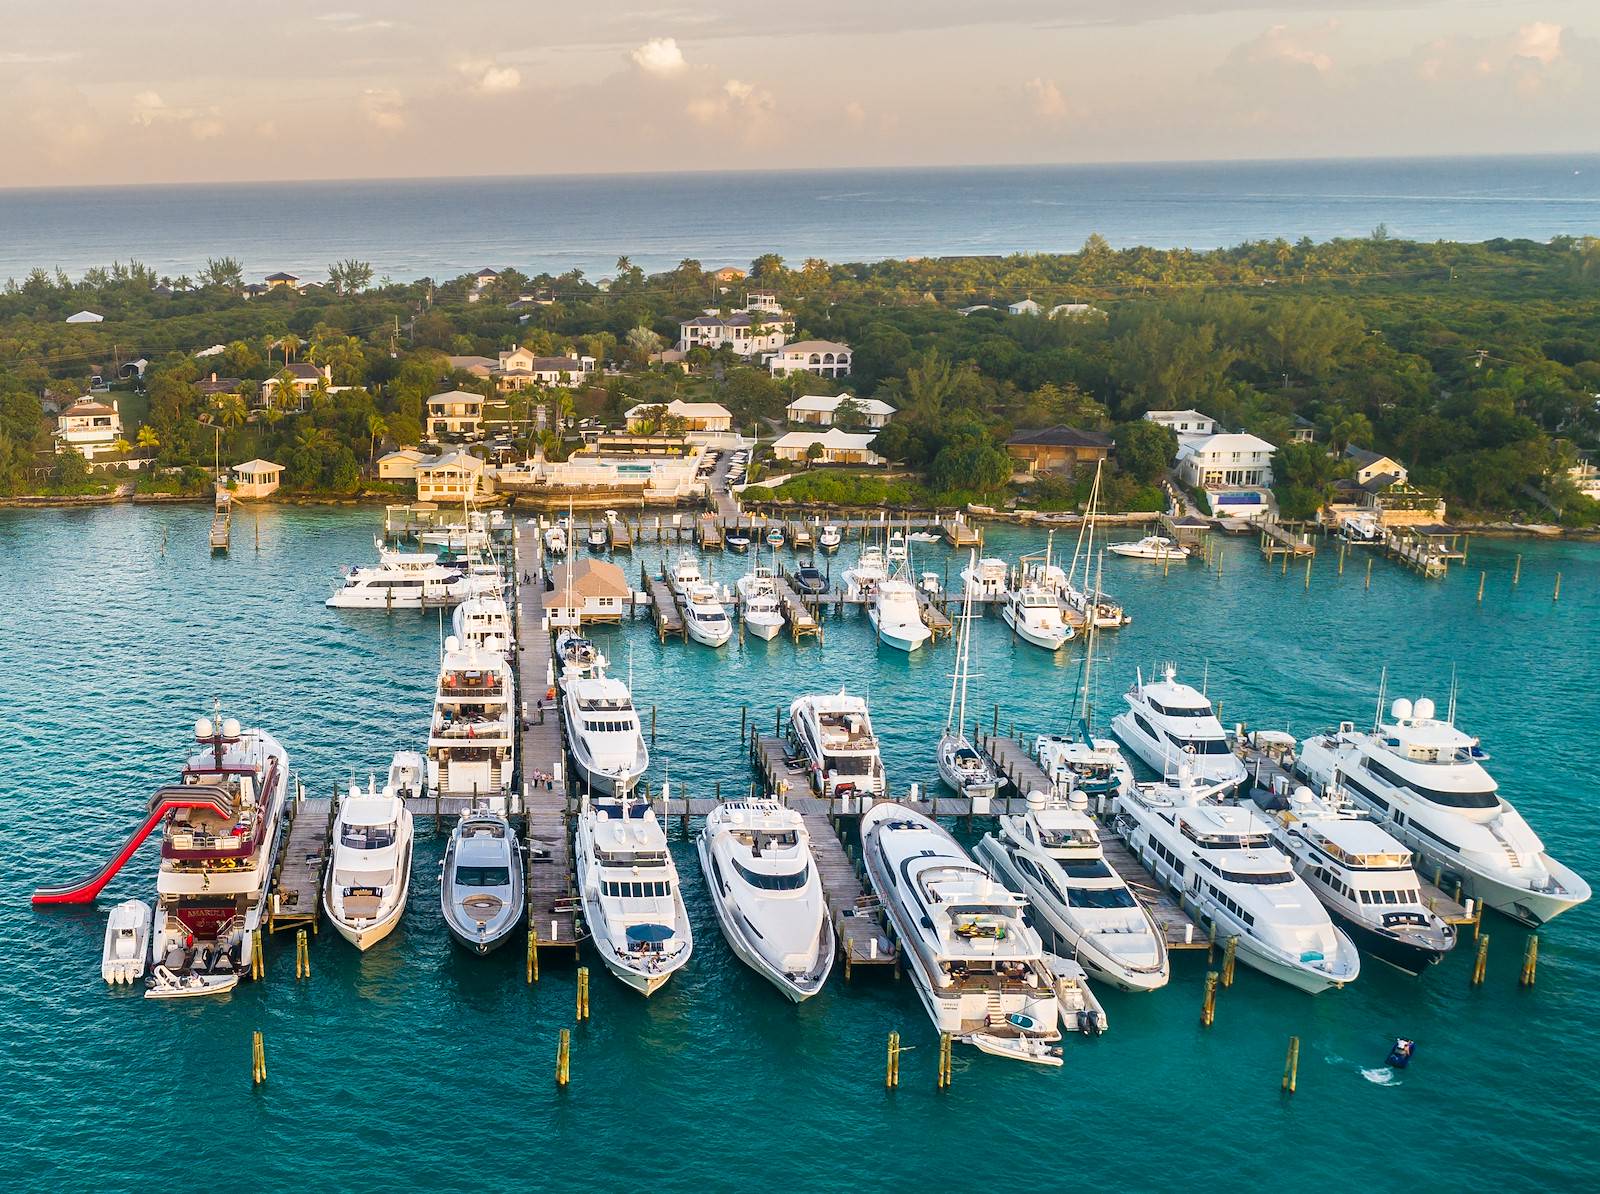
<point>412,1064</point>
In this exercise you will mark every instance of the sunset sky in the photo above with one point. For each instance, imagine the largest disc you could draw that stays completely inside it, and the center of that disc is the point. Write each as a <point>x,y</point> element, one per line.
<point>169,91</point>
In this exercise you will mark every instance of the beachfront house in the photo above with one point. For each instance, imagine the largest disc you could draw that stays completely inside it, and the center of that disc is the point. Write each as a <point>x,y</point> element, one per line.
<point>1226,460</point>
<point>687,416</point>
<point>836,447</point>
<point>256,479</point>
<point>1058,449</point>
<point>1585,475</point>
<point>820,410</point>
<point>401,464</point>
<point>825,358</point>
<point>747,333</point>
<point>89,427</point>
<point>455,415</point>
<point>451,478</point>
<point>1372,465</point>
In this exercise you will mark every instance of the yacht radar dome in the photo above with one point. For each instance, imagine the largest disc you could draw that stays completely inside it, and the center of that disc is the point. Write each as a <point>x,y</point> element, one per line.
<point>1401,709</point>
<point>1302,797</point>
<point>1077,801</point>
<point>454,644</point>
<point>203,729</point>
<point>1424,709</point>
<point>1035,801</point>
<point>230,728</point>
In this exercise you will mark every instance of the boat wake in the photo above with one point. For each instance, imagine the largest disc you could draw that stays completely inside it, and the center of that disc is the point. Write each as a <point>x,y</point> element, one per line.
<point>1381,1076</point>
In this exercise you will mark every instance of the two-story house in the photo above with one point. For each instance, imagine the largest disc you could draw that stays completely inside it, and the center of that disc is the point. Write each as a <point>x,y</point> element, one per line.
<point>1184,422</point>
<point>825,358</point>
<point>89,427</point>
<point>455,415</point>
<point>521,368</point>
<point>302,378</point>
<point>1228,459</point>
<point>821,410</point>
<point>747,333</point>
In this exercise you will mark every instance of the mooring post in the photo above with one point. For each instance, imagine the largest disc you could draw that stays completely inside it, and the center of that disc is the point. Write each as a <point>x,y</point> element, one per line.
<point>1480,966</point>
<point>1208,1009</point>
<point>564,1058</point>
<point>583,993</point>
<point>1291,1066</point>
<point>1530,960</point>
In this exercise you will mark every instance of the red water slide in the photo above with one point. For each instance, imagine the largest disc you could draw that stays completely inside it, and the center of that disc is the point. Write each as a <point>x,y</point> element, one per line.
<point>162,803</point>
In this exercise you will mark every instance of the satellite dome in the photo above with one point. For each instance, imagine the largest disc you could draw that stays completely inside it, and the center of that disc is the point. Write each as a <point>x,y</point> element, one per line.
<point>452,643</point>
<point>1302,795</point>
<point>230,727</point>
<point>202,728</point>
<point>1077,801</point>
<point>1035,801</point>
<point>1401,709</point>
<point>1424,709</point>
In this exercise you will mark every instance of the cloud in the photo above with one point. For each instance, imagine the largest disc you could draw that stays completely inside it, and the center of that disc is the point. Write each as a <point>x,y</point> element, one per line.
<point>855,112</point>
<point>150,111</point>
<point>660,57</point>
<point>753,105</point>
<point>384,108</point>
<point>1283,46</point>
<point>148,107</point>
<point>37,57</point>
<point>207,128</point>
<point>486,77</point>
<point>1540,41</point>
<point>354,22</point>
<point>1048,102</point>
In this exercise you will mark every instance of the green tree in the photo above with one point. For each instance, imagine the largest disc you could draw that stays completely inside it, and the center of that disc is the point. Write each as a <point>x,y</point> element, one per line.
<point>1144,449</point>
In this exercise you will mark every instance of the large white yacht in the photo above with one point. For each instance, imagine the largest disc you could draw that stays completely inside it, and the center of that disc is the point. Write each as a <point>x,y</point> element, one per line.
<point>472,740</point>
<point>481,881</point>
<point>896,615</point>
<point>1424,781</point>
<point>484,621</point>
<point>862,578</point>
<point>986,580</point>
<point>961,765</point>
<point>1219,858</point>
<point>1168,722</point>
<point>603,734</point>
<point>760,611</point>
<point>405,580</point>
<point>217,848</point>
<point>1363,877</point>
<point>629,890</point>
<point>979,967</point>
<point>756,855</point>
<point>705,617</point>
<point>1082,907</point>
<point>685,575</point>
<point>834,733</point>
<point>365,892</point>
<point>1034,614</point>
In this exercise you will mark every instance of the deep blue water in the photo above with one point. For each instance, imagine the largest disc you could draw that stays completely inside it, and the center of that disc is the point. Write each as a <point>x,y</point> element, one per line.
<point>413,1066</point>
<point>443,228</point>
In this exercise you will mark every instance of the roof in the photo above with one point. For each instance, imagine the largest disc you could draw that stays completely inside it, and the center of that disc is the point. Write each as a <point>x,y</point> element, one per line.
<point>455,396</point>
<point>1230,441</point>
<point>831,438</point>
<point>85,317</point>
<point>280,276</point>
<point>590,578</point>
<point>217,385</point>
<point>472,362</point>
<point>455,459</point>
<point>827,404</point>
<point>1061,436</point>
<point>303,369</point>
<point>88,406</point>
<point>1380,482</point>
<point>256,467</point>
<point>1155,415</point>
<point>486,272</point>
<point>687,410</point>
<point>803,346</point>
<point>415,455</point>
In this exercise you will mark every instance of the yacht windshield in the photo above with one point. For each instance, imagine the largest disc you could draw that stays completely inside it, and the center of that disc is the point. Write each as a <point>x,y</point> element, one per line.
<point>1181,710</point>
<point>1201,746</point>
<point>483,876</point>
<point>1478,799</point>
<point>1092,868</point>
<point>367,837</point>
<point>791,882</point>
<point>1260,879</point>
<point>1100,897</point>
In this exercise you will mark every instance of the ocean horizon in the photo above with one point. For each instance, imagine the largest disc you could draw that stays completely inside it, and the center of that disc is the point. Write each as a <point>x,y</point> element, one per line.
<point>440,228</point>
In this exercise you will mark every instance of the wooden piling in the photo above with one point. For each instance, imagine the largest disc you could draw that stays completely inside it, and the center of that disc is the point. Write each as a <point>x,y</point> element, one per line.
<point>258,962</point>
<point>1516,572</point>
<point>1228,954</point>
<point>533,955</point>
<point>258,1059</point>
<point>1291,1066</point>
<point>1482,576</point>
<point>1369,573</point>
<point>891,1073</point>
<point>302,955</point>
<point>1208,1009</point>
<point>564,1058</point>
<point>1308,572</point>
<point>583,993</point>
<point>1481,965</point>
<point>1343,546</point>
<point>652,725</point>
<point>1530,961</point>
<point>944,1061</point>
<point>744,714</point>
<point>1557,595</point>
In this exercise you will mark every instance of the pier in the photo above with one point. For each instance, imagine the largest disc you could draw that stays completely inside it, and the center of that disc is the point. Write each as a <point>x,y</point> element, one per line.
<point>858,921</point>
<point>1429,550</point>
<point>663,606</point>
<point>959,533</point>
<point>708,533</point>
<point>619,534</point>
<point>803,622</point>
<point>295,898</point>
<point>1014,762</point>
<point>221,520</point>
<point>1286,539</point>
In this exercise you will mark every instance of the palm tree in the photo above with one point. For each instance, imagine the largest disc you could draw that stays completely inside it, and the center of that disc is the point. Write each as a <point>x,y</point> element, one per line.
<point>313,439</point>
<point>147,438</point>
<point>230,410</point>
<point>376,429</point>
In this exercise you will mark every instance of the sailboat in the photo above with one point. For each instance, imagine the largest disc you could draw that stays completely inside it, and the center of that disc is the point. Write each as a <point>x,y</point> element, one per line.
<point>1093,606</point>
<point>960,764</point>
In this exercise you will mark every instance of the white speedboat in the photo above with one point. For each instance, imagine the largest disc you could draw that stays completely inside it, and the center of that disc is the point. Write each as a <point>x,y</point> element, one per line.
<point>628,886</point>
<point>705,617</point>
<point>480,881</point>
<point>1081,906</point>
<point>1076,999</point>
<point>472,738</point>
<point>370,874</point>
<point>737,540</point>
<point>829,537</point>
<point>1167,722</point>
<point>978,966</point>
<point>756,856</point>
<point>1151,547</point>
<point>1424,781</point>
<point>961,766</point>
<point>985,580</point>
<point>1220,859</point>
<point>166,983</point>
<point>896,614</point>
<point>603,734</point>
<point>484,622</point>
<point>127,943</point>
<point>833,733</point>
<point>555,539</point>
<point>760,610</point>
<point>470,534</point>
<point>1364,878</point>
<point>863,577</point>
<point>598,539</point>
<point>1034,614</point>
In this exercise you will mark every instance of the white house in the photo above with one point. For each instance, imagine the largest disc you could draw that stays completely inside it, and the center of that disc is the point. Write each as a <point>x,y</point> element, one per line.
<point>818,409</point>
<point>1074,311</point>
<point>521,368</point>
<point>1026,307</point>
<point>1372,465</point>
<point>401,464</point>
<point>763,300</point>
<point>1218,461</point>
<point>303,378</point>
<point>838,447</point>
<point>825,358</point>
<point>451,478</point>
<point>88,427</point>
<point>1586,476</point>
<point>256,479</point>
<point>696,416</point>
<point>588,590</point>
<point>86,317</point>
<point>748,333</point>
<point>1184,422</point>
<point>455,413</point>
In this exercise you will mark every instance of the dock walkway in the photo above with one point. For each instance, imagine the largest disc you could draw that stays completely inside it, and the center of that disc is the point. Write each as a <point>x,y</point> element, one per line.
<point>295,899</point>
<point>1286,539</point>
<point>1014,761</point>
<point>858,920</point>
<point>802,622</point>
<point>663,607</point>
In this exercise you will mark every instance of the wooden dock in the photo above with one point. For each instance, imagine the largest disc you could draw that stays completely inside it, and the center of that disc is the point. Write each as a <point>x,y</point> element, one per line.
<point>295,897</point>
<point>803,622</point>
<point>663,607</point>
<point>935,619</point>
<point>1428,549</point>
<point>221,520</point>
<point>1287,539</point>
<point>1176,925</point>
<point>708,533</point>
<point>1014,762</point>
<point>619,534</point>
<point>959,533</point>
<point>858,920</point>
<point>552,904</point>
<point>800,536</point>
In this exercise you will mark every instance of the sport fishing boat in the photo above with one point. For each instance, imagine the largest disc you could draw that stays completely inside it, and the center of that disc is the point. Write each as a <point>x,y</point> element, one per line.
<point>961,766</point>
<point>603,735</point>
<point>555,539</point>
<point>480,881</point>
<point>578,657</point>
<point>1423,781</point>
<point>484,622</point>
<point>704,615</point>
<point>370,876</point>
<point>1082,908</point>
<point>861,580</point>
<point>628,886</point>
<point>1363,877</point>
<point>830,537</point>
<point>472,739</point>
<point>598,539</point>
<point>1167,722</point>
<point>1082,763</point>
<point>404,580</point>
<point>896,614</point>
<point>1151,547</point>
<point>978,966</point>
<point>1220,858</point>
<point>1034,614</point>
<point>833,733</point>
<point>986,580</point>
<point>756,856</point>
<point>759,608</point>
<point>127,943</point>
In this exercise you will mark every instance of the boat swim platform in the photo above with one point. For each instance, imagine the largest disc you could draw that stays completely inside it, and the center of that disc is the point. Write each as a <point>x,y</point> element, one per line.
<point>294,899</point>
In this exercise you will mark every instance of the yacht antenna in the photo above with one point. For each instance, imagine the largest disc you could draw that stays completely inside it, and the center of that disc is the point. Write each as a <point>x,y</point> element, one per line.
<point>1383,683</point>
<point>1450,715</point>
<point>1205,678</point>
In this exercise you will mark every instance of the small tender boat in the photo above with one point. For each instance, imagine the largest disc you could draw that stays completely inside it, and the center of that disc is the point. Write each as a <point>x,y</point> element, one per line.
<point>164,984</point>
<point>127,941</point>
<point>775,536</point>
<point>480,884</point>
<point>1401,1053</point>
<point>1080,1008</point>
<point>830,537</point>
<point>1151,547</point>
<point>555,540</point>
<point>597,539</point>
<point>810,581</point>
<point>738,541</point>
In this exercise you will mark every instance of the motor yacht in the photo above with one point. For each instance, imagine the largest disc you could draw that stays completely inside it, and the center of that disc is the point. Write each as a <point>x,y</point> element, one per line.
<point>1167,722</point>
<point>832,732</point>
<point>1093,766</point>
<point>472,738</point>
<point>1423,780</point>
<point>127,943</point>
<point>1362,876</point>
<point>555,539</point>
<point>705,617</point>
<point>603,735</point>
<point>370,875</point>
<point>1151,547</point>
<point>967,772</point>
<point>628,887</point>
<point>484,622</point>
<point>977,964</point>
<point>986,580</point>
<point>577,657</point>
<point>481,881</point>
<point>685,575</point>
<point>404,580</point>
<point>760,611</point>
<point>1034,615</point>
<point>756,857</point>
<point>470,533</point>
<point>862,578</point>
<point>1082,908</point>
<point>830,537</point>
<point>1219,859</point>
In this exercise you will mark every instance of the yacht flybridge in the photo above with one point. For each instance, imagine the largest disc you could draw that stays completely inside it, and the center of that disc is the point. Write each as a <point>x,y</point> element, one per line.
<point>628,886</point>
<point>1424,781</point>
<point>861,579</point>
<point>472,740</point>
<point>1082,907</point>
<point>833,732</point>
<point>367,883</point>
<point>756,856</point>
<point>484,622</point>
<point>978,966</point>
<point>1219,856</point>
<point>961,766</point>
<point>1167,722</point>
<point>1034,614</point>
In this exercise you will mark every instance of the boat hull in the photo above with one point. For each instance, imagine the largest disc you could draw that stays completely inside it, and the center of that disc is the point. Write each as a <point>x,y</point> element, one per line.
<point>1407,956</point>
<point>763,629</point>
<point>367,933</point>
<point>901,638</point>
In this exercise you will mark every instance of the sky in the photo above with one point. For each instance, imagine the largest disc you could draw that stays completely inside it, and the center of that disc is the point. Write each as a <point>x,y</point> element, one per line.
<point>177,91</point>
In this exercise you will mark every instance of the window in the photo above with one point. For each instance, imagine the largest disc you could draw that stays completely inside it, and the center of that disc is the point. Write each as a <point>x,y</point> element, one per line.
<point>483,876</point>
<point>1101,897</point>
<point>1479,799</point>
<point>367,837</point>
<point>1182,710</point>
<point>1201,746</point>
<point>790,882</point>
